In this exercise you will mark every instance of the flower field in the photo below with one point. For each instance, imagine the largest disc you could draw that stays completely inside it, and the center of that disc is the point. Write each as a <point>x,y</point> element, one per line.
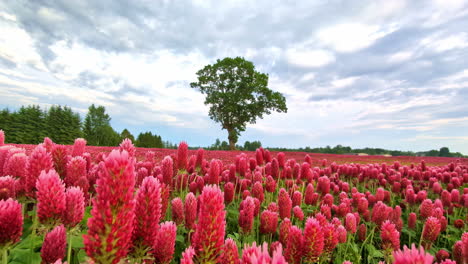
<point>84,204</point>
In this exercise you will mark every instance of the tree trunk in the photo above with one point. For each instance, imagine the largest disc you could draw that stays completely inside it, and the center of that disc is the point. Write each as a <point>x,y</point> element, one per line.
<point>232,136</point>
<point>232,144</point>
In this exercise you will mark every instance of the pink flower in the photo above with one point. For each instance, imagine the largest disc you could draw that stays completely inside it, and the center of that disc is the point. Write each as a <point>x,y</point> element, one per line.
<point>165,243</point>
<point>274,168</point>
<point>259,156</point>
<point>74,210</point>
<point>431,231</point>
<point>54,246</point>
<point>296,198</point>
<point>457,252</point>
<point>270,184</point>
<point>167,170</point>
<point>298,213</point>
<point>342,234</point>
<point>128,146</point>
<point>190,209</point>
<point>412,221</point>
<point>17,166</point>
<point>465,245</point>
<point>268,222</point>
<point>76,169</point>
<point>147,214</point>
<point>60,158</point>
<point>294,245</point>
<point>228,192</point>
<point>2,138</point>
<point>177,211</point>
<point>380,213</point>
<point>257,191</point>
<point>425,210</point>
<point>350,223</point>
<point>51,201</point>
<point>285,226</point>
<point>362,232</point>
<point>79,147</point>
<point>11,222</point>
<point>182,155</point>
<point>39,160</point>
<point>213,173</point>
<point>111,225</point>
<point>412,255</point>
<point>309,194</point>
<point>313,240</point>
<point>390,236</point>
<point>208,238</point>
<point>246,214</point>
<point>230,252</point>
<point>330,237</point>
<point>7,187</point>
<point>187,256</point>
<point>200,153</point>
<point>285,204</point>
<point>323,185</point>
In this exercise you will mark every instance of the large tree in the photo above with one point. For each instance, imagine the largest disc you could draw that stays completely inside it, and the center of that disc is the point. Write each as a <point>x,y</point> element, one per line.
<point>237,95</point>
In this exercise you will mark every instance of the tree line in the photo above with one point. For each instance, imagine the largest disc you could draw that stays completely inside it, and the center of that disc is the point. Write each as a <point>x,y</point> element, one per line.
<point>30,124</point>
<point>339,149</point>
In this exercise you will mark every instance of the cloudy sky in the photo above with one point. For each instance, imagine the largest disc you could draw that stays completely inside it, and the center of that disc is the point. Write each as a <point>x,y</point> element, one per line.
<point>390,74</point>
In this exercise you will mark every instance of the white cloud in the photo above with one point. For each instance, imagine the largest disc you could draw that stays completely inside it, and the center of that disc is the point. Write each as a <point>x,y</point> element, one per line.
<point>309,58</point>
<point>18,46</point>
<point>339,83</point>
<point>351,37</point>
<point>401,56</point>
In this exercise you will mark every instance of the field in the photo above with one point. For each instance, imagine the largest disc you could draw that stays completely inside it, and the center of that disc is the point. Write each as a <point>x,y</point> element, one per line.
<point>84,204</point>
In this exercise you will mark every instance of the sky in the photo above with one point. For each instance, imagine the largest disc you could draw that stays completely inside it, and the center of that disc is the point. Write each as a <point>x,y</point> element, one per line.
<point>380,73</point>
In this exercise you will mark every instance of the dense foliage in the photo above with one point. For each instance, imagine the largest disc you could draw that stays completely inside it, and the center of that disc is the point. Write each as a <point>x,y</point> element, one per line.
<point>127,205</point>
<point>30,124</point>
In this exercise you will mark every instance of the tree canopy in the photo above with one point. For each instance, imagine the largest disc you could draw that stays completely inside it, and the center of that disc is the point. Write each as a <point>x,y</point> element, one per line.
<point>237,95</point>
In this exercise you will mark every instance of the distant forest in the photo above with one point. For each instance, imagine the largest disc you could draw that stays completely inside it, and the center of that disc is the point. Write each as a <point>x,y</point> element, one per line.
<point>30,124</point>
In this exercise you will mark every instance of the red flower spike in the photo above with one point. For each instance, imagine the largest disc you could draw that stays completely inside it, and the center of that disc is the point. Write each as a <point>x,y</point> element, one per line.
<point>75,206</point>
<point>39,160</point>
<point>111,225</point>
<point>165,243</point>
<point>79,147</point>
<point>177,211</point>
<point>313,240</point>
<point>268,222</point>
<point>208,238</point>
<point>54,246</point>
<point>190,209</point>
<point>294,245</point>
<point>284,203</point>
<point>11,222</point>
<point>230,253</point>
<point>147,214</point>
<point>51,201</point>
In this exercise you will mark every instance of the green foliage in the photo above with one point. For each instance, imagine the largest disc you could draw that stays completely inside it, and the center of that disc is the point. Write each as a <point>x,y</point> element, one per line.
<point>30,124</point>
<point>97,129</point>
<point>63,125</point>
<point>252,146</point>
<point>126,134</point>
<point>148,140</point>
<point>237,94</point>
<point>444,152</point>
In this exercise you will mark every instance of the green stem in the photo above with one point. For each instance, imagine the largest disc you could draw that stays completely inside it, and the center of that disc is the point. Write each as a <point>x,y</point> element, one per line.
<point>33,236</point>
<point>69,248</point>
<point>5,255</point>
